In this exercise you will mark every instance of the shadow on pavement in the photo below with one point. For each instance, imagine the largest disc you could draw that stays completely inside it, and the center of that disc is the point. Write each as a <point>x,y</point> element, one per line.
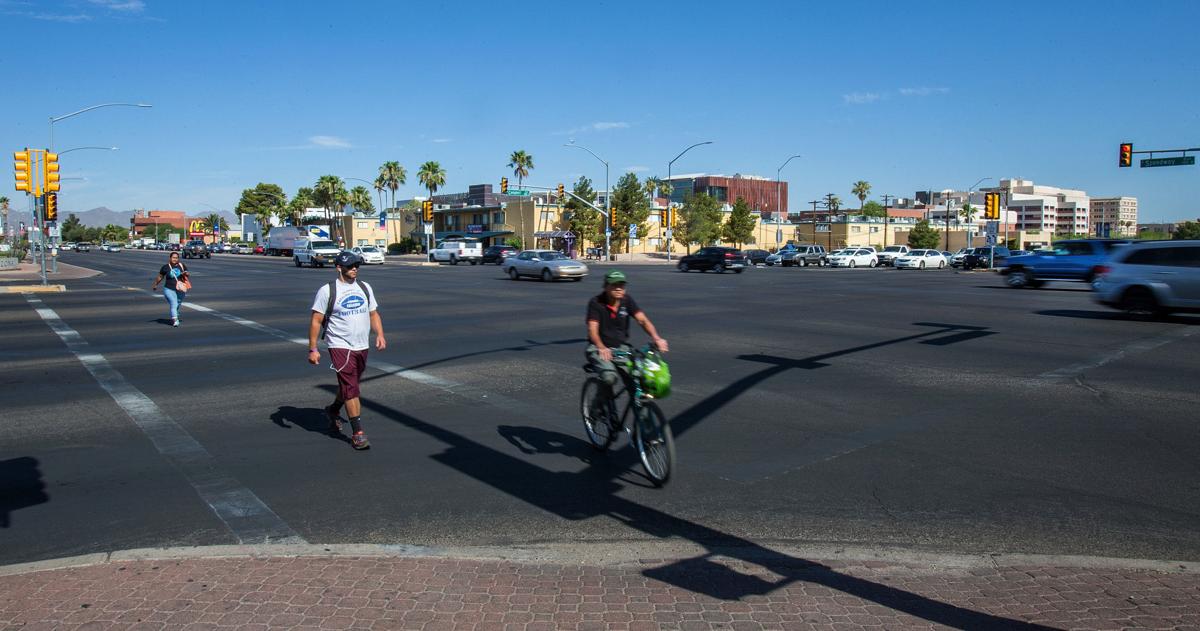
<point>1079,288</point>
<point>21,486</point>
<point>310,419</point>
<point>1117,316</point>
<point>527,346</point>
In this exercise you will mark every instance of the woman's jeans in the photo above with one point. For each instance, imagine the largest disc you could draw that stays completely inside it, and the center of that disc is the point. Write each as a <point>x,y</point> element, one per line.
<point>174,298</point>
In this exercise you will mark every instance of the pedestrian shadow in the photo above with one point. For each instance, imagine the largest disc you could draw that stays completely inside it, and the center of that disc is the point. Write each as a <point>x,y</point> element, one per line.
<point>21,486</point>
<point>166,321</point>
<point>309,419</point>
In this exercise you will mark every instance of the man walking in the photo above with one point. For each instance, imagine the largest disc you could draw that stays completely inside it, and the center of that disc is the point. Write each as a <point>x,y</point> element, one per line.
<point>344,313</point>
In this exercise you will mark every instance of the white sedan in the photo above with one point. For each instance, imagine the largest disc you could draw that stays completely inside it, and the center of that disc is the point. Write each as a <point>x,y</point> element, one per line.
<point>370,254</point>
<point>854,257</point>
<point>921,259</point>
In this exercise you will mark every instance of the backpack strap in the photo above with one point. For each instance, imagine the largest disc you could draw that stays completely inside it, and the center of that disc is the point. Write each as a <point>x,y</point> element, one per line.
<point>370,295</point>
<point>328,308</point>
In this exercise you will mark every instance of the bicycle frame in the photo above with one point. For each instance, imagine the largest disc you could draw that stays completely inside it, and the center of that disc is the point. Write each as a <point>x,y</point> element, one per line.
<point>630,387</point>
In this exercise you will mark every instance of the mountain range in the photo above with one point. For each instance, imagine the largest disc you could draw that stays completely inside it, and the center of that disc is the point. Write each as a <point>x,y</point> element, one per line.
<point>101,216</point>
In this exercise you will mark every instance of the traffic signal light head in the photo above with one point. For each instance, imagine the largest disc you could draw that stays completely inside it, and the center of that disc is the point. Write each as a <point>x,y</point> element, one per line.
<point>1126,159</point>
<point>427,210</point>
<point>21,174</point>
<point>51,206</point>
<point>503,186</point>
<point>50,172</point>
<point>561,194</point>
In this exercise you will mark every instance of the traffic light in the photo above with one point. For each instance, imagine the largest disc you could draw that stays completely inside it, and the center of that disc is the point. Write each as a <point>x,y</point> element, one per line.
<point>991,206</point>
<point>561,194</point>
<point>612,218</point>
<point>51,207</point>
<point>1126,159</point>
<point>504,186</point>
<point>21,171</point>
<point>674,221</point>
<point>50,172</point>
<point>427,210</point>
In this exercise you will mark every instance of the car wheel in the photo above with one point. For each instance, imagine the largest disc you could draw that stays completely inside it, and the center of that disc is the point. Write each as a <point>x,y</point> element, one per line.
<point>296,260</point>
<point>737,271</point>
<point>1019,278</point>
<point>719,268</point>
<point>851,264</point>
<point>803,262</point>
<point>683,267</point>
<point>941,265</point>
<point>874,263</point>
<point>512,273</point>
<point>1140,301</point>
<point>453,260</point>
<point>546,275</point>
<point>922,265</point>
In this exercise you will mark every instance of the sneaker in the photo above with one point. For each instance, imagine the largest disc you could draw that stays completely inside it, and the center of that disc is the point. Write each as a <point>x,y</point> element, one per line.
<point>359,440</point>
<point>175,322</point>
<point>335,422</point>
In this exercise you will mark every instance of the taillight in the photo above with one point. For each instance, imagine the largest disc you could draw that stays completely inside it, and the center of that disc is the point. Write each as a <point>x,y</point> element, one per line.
<point>1101,270</point>
<point>729,255</point>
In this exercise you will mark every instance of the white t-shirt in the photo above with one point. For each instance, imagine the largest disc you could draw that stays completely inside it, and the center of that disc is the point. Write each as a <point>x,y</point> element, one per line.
<point>350,324</point>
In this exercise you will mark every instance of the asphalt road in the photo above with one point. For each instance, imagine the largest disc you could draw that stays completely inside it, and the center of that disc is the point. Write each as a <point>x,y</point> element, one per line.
<point>926,410</point>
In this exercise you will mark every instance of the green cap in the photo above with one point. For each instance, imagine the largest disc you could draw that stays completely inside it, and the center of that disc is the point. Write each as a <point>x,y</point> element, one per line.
<point>614,276</point>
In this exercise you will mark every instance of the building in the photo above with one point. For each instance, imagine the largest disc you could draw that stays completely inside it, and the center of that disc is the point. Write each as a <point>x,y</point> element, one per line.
<point>767,197</point>
<point>1114,216</point>
<point>1047,211</point>
<point>146,220</point>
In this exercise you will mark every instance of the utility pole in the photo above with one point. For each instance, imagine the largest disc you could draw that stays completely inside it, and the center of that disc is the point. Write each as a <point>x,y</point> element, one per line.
<point>886,198</point>
<point>947,222</point>
<point>831,208</point>
<point>813,219</point>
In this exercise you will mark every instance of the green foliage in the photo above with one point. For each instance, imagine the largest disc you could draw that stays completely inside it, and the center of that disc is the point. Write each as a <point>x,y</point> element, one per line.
<point>873,209</point>
<point>113,232</point>
<point>586,223</point>
<point>740,227</point>
<point>432,176</point>
<point>521,163</point>
<point>301,202</point>
<point>215,223</point>
<point>700,220</point>
<point>629,206</point>
<point>263,202</point>
<point>1187,230</point>
<point>1152,236</point>
<point>391,176</point>
<point>515,242</point>
<point>360,199</point>
<point>72,229</point>
<point>968,212</point>
<point>407,245</point>
<point>924,236</point>
<point>861,189</point>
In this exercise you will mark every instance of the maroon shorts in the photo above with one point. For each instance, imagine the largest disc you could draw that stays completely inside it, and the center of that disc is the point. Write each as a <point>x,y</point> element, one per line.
<point>349,366</point>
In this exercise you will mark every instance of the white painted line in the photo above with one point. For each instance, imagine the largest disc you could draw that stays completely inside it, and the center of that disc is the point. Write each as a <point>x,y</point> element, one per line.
<point>1140,346</point>
<point>246,516</point>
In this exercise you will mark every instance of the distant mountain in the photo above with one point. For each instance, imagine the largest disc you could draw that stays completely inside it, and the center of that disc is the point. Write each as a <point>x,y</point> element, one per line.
<point>102,216</point>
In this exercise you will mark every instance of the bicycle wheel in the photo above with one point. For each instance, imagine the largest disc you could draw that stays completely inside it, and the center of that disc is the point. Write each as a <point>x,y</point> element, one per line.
<point>595,407</point>
<point>655,443</point>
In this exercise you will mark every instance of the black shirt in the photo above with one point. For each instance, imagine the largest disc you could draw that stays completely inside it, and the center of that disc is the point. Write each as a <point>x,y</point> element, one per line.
<point>614,322</point>
<point>170,278</point>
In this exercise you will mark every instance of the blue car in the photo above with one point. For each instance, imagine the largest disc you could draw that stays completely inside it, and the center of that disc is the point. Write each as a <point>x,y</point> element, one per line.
<point>1071,260</point>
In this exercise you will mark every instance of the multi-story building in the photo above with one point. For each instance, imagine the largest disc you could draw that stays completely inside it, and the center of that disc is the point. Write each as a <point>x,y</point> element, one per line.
<point>768,197</point>
<point>1046,209</point>
<point>144,220</point>
<point>1114,216</point>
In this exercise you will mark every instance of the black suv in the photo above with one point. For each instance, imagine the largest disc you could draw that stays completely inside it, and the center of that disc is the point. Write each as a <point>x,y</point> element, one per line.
<point>496,253</point>
<point>196,250</point>
<point>715,258</point>
<point>754,257</point>
<point>982,257</point>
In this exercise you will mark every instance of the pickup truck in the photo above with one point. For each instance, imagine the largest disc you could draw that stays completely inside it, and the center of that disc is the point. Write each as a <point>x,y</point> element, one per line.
<point>196,249</point>
<point>314,252</point>
<point>1071,260</point>
<point>454,251</point>
<point>892,252</point>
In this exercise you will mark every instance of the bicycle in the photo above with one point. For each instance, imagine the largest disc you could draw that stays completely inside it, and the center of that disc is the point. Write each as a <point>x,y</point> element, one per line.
<point>650,432</point>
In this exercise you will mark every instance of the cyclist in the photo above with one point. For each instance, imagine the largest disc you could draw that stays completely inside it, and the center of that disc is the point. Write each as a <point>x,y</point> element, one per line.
<point>608,317</point>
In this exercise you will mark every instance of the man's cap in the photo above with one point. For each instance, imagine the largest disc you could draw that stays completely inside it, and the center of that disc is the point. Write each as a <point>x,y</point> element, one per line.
<point>614,276</point>
<point>346,258</point>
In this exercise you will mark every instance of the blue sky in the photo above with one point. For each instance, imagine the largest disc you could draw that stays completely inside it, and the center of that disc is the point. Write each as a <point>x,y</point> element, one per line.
<point>907,96</point>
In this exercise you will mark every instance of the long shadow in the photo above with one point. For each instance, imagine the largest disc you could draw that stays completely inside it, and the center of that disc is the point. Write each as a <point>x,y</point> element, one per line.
<point>1079,289</point>
<point>1116,316</point>
<point>527,346</point>
<point>592,493</point>
<point>308,419</point>
<point>21,486</point>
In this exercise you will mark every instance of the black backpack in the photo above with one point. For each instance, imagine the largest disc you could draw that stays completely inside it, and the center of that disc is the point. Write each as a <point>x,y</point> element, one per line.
<point>333,296</point>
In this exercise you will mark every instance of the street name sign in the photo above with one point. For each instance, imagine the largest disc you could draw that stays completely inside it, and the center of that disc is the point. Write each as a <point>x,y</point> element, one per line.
<point>518,192</point>
<point>1169,162</point>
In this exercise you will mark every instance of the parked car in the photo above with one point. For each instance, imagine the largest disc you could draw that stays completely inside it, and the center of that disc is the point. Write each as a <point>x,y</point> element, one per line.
<point>715,258</point>
<point>891,253</point>
<point>497,253</point>
<point>754,257</point>
<point>545,264</point>
<point>83,246</point>
<point>370,254</point>
<point>174,247</point>
<point>196,250</point>
<point>920,259</point>
<point>260,249</point>
<point>984,258</point>
<point>242,248</point>
<point>854,257</point>
<point>809,255</point>
<point>782,257</point>
<point>1152,277</point>
<point>1070,260</point>
<point>956,259</point>
<point>454,250</point>
<point>225,248</point>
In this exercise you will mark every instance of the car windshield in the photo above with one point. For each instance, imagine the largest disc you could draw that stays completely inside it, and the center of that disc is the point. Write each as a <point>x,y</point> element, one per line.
<point>322,244</point>
<point>893,248</point>
<point>370,248</point>
<point>550,256</point>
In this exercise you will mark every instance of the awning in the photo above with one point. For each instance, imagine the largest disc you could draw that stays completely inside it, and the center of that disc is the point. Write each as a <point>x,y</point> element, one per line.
<point>554,234</point>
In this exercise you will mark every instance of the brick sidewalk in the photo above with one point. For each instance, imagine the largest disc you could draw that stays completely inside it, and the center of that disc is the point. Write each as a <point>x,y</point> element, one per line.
<point>398,592</point>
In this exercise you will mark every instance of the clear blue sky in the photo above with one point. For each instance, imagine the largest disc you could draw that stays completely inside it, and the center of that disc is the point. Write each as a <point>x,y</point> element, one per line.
<point>908,96</point>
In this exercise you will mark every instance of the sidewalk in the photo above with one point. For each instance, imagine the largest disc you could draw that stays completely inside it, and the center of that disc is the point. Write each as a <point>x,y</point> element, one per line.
<point>393,587</point>
<point>26,272</point>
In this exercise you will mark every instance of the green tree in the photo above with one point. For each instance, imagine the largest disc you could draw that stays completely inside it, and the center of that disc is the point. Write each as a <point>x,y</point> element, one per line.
<point>924,236</point>
<point>263,202</point>
<point>967,213</point>
<point>432,176</point>
<point>72,229</point>
<point>4,212</point>
<point>330,193</point>
<point>630,208</point>
<point>360,200</point>
<point>1187,230</point>
<point>301,202</point>
<point>872,209</point>
<point>113,232</point>
<point>215,224</point>
<point>585,222</point>
<point>391,176</point>
<point>380,187</point>
<point>700,221</point>
<point>861,189</point>
<point>740,227</point>
<point>521,163</point>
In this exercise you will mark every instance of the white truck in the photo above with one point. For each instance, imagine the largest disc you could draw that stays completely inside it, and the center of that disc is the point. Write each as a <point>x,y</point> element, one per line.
<point>892,252</point>
<point>454,250</point>
<point>314,252</point>
<point>281,240</point>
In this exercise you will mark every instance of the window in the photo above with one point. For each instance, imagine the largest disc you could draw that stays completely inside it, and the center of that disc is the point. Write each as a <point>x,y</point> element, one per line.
<point>362,242</point>
<point>362,225</point>
<point>1147,256</point>
<point>855,228</point>
<point>498,217</point>
<point>381,242</point>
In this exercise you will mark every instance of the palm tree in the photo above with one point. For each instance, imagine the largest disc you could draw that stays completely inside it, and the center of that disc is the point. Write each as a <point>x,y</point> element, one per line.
<point>521,163</point>
<point>301,201</point>
<point>359,199</point>
<point>215,223</point>
<point>330,194</point>
<point>380,185</point>
<point>432,176</point>
<point>393,176</point>
<point>967,212</point>
<point>861,189</point>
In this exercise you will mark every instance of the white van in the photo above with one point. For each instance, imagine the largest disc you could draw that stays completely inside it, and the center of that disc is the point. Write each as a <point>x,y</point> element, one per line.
<point>314,252</point>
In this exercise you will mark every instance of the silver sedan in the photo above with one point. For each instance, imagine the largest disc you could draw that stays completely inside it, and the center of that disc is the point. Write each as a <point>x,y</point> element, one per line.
<point>545,264</point>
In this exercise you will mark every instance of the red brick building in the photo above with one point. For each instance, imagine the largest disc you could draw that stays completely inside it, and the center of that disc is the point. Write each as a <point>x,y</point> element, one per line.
<point>147,219</point>
<point>763,195</point>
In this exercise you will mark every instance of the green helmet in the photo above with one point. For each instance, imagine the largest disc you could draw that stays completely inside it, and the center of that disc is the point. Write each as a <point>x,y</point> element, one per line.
<point>655,375</point>
<point>614,276</point>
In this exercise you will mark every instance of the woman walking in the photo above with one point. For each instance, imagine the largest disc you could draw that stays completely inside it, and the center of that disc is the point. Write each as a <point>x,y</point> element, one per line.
<point>176,285</point>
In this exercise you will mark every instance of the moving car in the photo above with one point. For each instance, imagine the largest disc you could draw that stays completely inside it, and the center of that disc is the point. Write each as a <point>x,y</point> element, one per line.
<point>454,250</point>
<point>985,258</point>
<point>715,258</point>
<point>854,257</point>
<point>83,246</point>
<point>920,259</point>
<point>259,249</point>
<point>196,250</point>
<point>497,253</point>
<point>242,248</point>
<point>370,254</point>
<point>314,252</point>
<point>1070,260</point>
<point>545,264</point>
<point>1152,278</point>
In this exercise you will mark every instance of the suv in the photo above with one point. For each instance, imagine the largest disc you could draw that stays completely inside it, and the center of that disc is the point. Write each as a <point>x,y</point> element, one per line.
<point>1153,277</point>
<point>715,258</point>
<point>1075,259</point>
<point>496,253</point>
<point>196,250</point>
<point>807,255</point>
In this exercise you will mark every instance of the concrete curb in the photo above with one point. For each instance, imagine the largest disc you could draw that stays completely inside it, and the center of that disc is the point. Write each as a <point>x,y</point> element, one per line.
<point>610,554</point>
<point>35,289</point>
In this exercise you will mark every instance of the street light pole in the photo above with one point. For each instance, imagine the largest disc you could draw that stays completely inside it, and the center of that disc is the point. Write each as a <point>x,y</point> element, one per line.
<point>607,201</point>
<point>669,164</point>
<point>886,219</point>
<point>970,235</point>
<point>55,119</point>
<point>778,194</point>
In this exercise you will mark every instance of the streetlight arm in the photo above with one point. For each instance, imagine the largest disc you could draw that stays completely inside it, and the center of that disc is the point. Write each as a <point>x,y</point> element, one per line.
<point>784,164</point>
<point>55,119</point>
<point>82,148</point>
<point>587,150</point>
<point>706,142</point>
